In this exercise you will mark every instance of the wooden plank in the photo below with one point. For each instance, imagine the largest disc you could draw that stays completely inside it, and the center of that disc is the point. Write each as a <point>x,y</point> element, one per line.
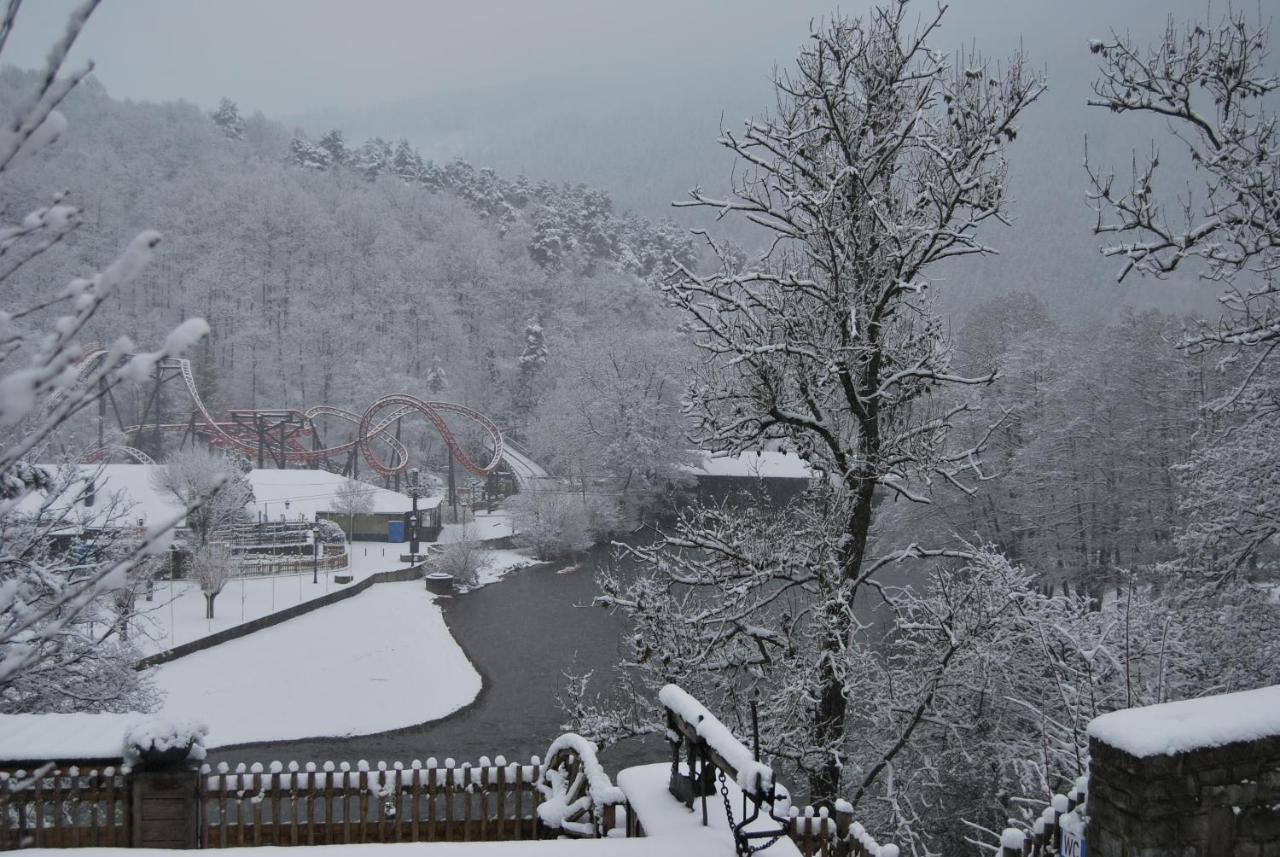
<point>395,802</point>
<point>362,779</point>
<point>22,811</point>
<point>73,800</point>
<point>500,787</point>
<point>379,802</point>
<point>276,824</point>
<point>255,783</point>
<point>345,769</point>
<point>432,791</point>
<point>448,800</point>
<point>109,780</point>
<point>484,802</point>
<point>37,794</point>
<point>519,796</point>
<point>5,791</point>
<point>293,803</point>
<point>311,803</point>
<point>327,799</point>
<point>466,802</point>
<point>95,791</point>
<point>58,798</point>
<point>242,817</point>
<point>415,808</point>
<point>224,784</point>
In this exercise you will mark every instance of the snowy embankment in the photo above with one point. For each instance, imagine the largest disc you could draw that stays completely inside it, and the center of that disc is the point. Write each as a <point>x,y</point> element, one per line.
<point>382,660</point>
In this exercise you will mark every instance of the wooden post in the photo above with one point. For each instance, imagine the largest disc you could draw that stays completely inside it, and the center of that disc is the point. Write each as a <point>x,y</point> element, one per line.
<point>165,805</point>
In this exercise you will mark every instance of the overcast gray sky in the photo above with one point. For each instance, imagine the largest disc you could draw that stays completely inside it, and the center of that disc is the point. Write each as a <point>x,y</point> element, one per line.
<point>291,56</point>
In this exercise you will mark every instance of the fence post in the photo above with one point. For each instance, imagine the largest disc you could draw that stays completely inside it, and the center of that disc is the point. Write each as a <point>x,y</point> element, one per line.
<point>165,805</point>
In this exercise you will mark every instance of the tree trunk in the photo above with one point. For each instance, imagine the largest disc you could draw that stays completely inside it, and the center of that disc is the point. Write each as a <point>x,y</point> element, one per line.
<point>208,604</point>
<point>832,707</point>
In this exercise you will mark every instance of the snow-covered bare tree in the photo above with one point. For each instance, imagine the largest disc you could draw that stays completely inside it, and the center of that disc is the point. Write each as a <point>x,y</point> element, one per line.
<point>1230,487</point>
<point>613,421</point>
<point>1214,85</point>
<point>883,159</point>
<point>48,596</point>
<point>217,482</point>
<point>353,498</point>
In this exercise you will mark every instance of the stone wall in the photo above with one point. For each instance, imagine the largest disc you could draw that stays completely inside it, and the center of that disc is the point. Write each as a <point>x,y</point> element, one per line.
<point>1212,802</point>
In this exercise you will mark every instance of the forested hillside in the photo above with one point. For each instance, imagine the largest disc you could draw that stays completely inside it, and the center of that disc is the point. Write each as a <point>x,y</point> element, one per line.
<point>335,275</point>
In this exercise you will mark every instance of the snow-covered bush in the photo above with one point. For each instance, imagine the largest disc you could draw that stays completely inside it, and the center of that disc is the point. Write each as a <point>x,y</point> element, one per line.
<point>172,740</point>
<point>331,532</point>
<point>463,560</point>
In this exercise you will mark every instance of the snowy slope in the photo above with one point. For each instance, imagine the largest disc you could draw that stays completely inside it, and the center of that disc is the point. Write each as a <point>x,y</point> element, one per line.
<point>381,660</point>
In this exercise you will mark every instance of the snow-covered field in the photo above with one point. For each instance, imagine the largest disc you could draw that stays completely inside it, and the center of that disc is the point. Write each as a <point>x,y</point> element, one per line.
<point>382,660</point>
<point>175,615</point>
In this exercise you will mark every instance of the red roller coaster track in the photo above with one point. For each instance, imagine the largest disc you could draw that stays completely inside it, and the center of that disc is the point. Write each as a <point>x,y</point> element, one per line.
<point>374,425</point>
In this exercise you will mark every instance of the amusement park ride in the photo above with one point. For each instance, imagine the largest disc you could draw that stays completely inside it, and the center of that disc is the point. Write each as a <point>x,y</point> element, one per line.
<point>290,437</point>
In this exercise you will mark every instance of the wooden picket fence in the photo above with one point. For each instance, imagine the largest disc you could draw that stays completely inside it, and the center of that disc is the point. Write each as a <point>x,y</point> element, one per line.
<point>64,808</point>
<point>321,805</point>
<point>331,804</point>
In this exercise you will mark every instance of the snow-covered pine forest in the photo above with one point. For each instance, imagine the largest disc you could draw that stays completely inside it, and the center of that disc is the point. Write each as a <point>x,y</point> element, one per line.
<point>989,521</point>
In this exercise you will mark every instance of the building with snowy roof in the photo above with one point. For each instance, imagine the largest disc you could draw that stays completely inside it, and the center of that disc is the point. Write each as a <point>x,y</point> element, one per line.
<point>125,495</point>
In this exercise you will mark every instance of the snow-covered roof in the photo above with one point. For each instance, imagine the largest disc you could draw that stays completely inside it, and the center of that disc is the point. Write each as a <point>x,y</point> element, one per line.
<point>1193,724</point>
<point>760,465</point>
<point>312,491</point>
<point>130,485</point>
<point>307,492</point>
<point>50,737</point>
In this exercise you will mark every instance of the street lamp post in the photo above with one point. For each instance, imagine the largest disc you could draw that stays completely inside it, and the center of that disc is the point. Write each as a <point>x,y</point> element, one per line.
<point>315,554</point>
<point>413,518</point>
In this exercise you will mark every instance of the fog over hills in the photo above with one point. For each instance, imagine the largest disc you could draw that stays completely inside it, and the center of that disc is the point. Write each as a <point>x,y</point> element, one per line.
<point>648,137</point>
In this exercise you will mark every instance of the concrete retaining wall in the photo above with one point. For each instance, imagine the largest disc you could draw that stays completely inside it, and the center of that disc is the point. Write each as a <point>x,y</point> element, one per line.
<point>396,576</point>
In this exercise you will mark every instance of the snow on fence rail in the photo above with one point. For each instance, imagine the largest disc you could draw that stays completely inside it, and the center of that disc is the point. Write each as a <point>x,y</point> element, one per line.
<point>338,804</point>
<point>64,808</point>
<point>713,750</point>
<point>490,801</point>
<point>1044,839</point>
<point>579,799</point>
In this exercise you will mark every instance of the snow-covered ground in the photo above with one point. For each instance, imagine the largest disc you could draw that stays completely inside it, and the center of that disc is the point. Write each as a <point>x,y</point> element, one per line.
<point>382,660</point>
<point>486,526</point>
<point>175,615</point>
<point>497,565</point>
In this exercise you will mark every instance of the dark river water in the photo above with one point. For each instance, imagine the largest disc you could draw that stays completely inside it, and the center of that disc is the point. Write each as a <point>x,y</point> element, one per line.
<point>521,634</point>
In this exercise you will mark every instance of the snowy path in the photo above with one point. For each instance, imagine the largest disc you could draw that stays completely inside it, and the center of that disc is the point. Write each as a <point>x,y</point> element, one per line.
<point>382,660</point>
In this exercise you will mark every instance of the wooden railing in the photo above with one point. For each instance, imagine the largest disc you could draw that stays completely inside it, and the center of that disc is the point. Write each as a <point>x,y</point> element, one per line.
<point>64,808</point>
<point>1044,838</point>
<point>327,804</point>
<point>712,752</point>
<point>578,798</point>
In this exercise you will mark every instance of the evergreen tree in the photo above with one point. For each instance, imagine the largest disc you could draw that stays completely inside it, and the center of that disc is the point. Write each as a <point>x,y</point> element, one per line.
<point>227,117</point>
<point>532,360</point>
<point>336,146</point>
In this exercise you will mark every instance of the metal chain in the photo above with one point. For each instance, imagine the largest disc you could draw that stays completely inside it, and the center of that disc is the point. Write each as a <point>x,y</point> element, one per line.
<point>743,847</point>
